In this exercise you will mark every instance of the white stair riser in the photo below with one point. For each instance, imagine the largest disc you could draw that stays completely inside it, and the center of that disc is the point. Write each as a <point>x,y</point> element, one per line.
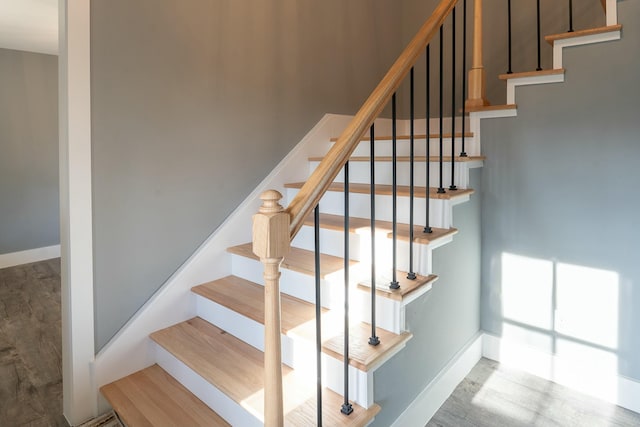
<point>332,292</point>
<point>222,404</point>
<point>360,206</point>
<point>297,354</point>
<point>332,243</point>
<point>403,147</point>
<point>359,172</point>
<point>297,284</point>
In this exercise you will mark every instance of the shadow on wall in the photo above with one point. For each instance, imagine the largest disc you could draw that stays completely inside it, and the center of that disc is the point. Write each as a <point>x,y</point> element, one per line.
<point>572,312</point>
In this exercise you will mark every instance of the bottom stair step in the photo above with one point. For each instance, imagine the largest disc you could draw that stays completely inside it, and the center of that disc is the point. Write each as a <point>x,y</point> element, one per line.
<point>152,397</point>
<point>237,369</point>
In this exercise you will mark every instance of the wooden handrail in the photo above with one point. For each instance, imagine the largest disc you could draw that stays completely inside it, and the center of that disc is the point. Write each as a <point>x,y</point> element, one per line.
<point>315,187</point>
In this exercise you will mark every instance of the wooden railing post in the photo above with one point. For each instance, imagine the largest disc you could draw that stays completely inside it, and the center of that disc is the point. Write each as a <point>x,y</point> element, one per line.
<point>271,243</point>
<point>477,86</point>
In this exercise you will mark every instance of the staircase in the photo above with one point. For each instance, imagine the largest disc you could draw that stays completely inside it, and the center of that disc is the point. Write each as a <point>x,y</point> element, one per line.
<point>218,354</point>
<point>210,369</point>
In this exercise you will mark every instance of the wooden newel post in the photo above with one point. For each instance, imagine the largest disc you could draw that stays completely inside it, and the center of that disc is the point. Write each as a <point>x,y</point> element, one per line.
<point>271,243</point>
<point>477,87</point>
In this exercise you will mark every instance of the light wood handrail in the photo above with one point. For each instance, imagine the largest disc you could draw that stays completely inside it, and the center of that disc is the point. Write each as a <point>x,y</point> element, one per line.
<point>315,187</point>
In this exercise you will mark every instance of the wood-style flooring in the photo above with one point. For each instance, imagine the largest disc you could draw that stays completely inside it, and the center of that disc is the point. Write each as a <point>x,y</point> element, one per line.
<point>31,376</point>
<point>30,346</point>
<point>493,396</point>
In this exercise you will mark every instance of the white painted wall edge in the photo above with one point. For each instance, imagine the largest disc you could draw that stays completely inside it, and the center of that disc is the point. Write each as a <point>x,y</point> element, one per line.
<point>29,256</point>
<point>76,216</point>
<point>130,349</point>
<point>613,388</point>
<point>440,388</point>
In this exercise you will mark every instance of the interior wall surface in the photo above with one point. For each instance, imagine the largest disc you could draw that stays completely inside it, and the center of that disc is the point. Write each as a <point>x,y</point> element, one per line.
<point>29,190</point>
<point>560,211</point>
<point>193,104</point>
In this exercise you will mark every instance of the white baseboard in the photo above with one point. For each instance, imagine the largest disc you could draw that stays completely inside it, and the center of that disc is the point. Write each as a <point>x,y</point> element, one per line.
<point>29,256</point>
<point>575,374</point>
<point>438,391</point>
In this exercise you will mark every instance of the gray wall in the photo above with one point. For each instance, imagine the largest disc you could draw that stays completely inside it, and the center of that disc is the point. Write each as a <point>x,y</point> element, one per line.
<point>193,103</point>
<point>443,321</point>
<point>29,215</point>
<point>561,186</point>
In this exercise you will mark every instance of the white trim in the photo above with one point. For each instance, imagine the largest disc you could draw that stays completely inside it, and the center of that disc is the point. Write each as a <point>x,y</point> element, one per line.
<point>559,45</point>
<point>76,229</point>
<point>29,256</point>
<point>512,83</point>
<point>561,370</point>
<point>491,114</point>
<point>440,388</point>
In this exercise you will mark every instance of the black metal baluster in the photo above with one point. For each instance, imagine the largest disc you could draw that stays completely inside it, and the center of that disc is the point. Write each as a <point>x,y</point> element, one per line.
<point>453,100</point>
<point>539,38</point>
<point>570,16</point>
<point>373,339</point>
<point>463,153</point>
<point>441,187</point>
<point>510,71</point>
<point>316,226</point>
<point>394,161</point>
<point>411,275</point>
<point>427,228</point>
<point>346,406</point>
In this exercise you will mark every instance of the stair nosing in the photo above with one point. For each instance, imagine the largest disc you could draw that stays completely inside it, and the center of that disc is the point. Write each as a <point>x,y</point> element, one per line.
<point>357,223</point>
<point>467,134</point>
<point>582,33</point>
<point>386,190</point>
<point>526,74</point>
<point>404,159</point>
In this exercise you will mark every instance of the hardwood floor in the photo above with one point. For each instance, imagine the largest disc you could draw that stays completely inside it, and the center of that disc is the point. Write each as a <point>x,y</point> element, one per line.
<point>30,346</point>
<point>493,395</point>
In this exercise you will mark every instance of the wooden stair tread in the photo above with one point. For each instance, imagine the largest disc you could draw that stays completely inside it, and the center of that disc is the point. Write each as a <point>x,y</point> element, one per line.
<point>336,222</point>
<point>386,190</point>
<point>416,136</point>
<point>491,108</point>
<point>298,320</point>
<point>551,72</point>
<point>405,159</point>
<point>361,355</point>
<point>247,299</point>
<point>407,286</point>
<point>300,260</point>
<point>237,369</point>
<point>151,397</point>
<point>580,33</point>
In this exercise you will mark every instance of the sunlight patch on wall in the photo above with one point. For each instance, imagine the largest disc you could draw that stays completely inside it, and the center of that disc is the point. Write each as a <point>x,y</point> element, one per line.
<point>527,290</point>
<point>587,304</point>
<point>568,312</point>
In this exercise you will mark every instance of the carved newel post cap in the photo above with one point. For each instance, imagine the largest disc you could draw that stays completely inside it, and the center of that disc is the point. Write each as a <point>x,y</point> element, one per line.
<point>270,203</point>
<point>271,228</point>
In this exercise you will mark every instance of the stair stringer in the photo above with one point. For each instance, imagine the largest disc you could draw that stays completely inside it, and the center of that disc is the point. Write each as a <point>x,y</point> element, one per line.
<point>131,350</point>
<point>611,15</point>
